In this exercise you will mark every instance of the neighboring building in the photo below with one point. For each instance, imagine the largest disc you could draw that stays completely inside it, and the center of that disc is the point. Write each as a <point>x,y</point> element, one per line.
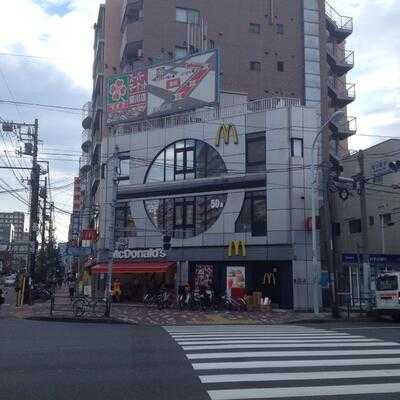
<point>15,218</point>
<point>6,233</point>
<point>383,213</point>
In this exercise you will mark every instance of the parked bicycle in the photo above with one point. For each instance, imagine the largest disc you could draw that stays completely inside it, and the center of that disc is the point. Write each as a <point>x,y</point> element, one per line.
<point>97,307</point>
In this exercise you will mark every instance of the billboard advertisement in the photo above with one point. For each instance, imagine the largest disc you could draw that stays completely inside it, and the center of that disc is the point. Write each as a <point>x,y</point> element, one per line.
<point>163,89</point>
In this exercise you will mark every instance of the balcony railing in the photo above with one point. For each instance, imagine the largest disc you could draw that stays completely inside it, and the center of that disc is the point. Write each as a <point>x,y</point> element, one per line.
<point>343,59</point>
<point>84,164</point>
<point>86,140</point>
<point>208,114</point>
<point>341,22</point>
<point>343,90</point>
<point>345,129</point>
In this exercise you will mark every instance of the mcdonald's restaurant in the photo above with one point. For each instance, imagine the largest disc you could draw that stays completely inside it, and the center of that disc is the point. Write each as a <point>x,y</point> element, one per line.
<point>232,193</point>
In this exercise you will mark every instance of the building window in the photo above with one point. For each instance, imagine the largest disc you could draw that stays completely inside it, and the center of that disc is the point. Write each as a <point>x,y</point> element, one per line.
<point>134,12</point>
<point>387,219</point>
<point>133,52</point>
<point>255,152</point>
<point>253,215</point>
<point>187,15</point>
<point>212,44</point>
<point>124,222</point>
<point>297,147</point>
<point>124,170</point>
<point>280,65</point>
<point>185,159</point>
<point>336,229</point>
<point>279,29</point>
<point>255,66</point>
<point>371,220</point>
<point>180,52</point>
<point>254,28</point>
<point>355,226</point>
<point>185,217</point>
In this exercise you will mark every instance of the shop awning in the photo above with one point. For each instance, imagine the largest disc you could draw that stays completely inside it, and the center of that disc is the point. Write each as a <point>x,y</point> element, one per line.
<point>133,267</point>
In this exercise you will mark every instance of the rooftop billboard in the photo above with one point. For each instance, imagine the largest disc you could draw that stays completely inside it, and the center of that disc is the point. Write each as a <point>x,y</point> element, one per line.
<point>163,89</point>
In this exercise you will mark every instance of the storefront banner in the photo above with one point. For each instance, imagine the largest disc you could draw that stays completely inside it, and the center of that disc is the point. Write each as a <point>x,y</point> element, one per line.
<point>203,277</point>
<point>235,279</point>
<point>139,253</point>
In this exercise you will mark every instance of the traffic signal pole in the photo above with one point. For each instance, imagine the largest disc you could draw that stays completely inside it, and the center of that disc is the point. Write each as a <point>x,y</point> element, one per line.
<point>364,226</point>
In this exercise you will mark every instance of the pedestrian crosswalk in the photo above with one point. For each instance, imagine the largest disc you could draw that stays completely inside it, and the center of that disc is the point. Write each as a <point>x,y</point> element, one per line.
<point>286,362</point>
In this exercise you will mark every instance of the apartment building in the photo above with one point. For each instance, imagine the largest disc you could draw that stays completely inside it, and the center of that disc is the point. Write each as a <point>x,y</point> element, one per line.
<point>17,219</point>
<point>383,213</point>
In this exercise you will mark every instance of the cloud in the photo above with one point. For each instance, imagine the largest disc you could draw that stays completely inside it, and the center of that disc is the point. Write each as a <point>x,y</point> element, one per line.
<point>377,67</point>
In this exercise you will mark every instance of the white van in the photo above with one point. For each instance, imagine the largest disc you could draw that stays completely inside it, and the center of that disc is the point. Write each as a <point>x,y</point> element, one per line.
<point>388,294</point>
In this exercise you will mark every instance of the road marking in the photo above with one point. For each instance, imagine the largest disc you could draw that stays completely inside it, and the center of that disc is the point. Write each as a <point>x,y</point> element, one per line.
<point>275,341</point>
<point>277,346</point>
<point>270,393</point>
<point>295,363</point>
<point>277,354</point>
<point>300,335</point>
<point>299,376</point>
<point>364,328</point>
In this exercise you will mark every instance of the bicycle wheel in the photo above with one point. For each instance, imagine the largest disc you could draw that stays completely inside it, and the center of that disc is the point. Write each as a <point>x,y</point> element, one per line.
<point>100,308</point>
<point>78,308</point>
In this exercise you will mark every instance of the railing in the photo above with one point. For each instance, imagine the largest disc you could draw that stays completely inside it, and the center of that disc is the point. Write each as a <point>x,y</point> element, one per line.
<point>98,65</point>
<point>352,304</point>
<point>343,57</point>
<point>86,140</point>
<point>348,126</point>
<point>341,21</point>
<point>84,163</point>
<point>208,114</point>
<point>341,88</point>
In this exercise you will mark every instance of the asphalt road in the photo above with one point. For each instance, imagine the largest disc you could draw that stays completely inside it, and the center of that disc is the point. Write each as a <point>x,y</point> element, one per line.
<point>57,361</point>
<point>51,360</point>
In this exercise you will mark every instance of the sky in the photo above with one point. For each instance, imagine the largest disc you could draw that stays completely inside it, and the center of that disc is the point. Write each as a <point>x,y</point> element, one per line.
<point>61,33</point>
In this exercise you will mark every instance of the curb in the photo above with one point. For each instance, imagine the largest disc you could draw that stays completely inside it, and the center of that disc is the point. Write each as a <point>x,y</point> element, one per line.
<point>111,321</point>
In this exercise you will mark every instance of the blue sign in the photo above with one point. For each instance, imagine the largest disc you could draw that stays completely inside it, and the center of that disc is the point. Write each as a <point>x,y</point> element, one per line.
<point>373,258</point>
<point>324,280</point>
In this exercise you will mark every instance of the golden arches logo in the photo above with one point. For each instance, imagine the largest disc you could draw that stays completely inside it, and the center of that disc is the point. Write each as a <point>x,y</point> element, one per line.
<point>238,247</point>
<point>226,131</point>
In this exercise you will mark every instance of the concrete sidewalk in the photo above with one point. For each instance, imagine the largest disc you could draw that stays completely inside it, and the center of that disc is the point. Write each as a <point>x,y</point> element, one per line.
<point>151,316</point>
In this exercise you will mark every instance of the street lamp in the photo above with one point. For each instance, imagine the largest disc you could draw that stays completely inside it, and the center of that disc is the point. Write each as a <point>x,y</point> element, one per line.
<point>335,117</point>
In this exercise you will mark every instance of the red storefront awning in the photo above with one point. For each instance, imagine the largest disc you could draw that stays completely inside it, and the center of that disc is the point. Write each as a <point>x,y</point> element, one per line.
<point>133,267</point>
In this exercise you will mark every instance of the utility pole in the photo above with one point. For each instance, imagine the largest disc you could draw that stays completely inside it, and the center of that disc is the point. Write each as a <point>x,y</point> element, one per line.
<point>113,164</point>
<point>34,206</point>
<point>364,225</point>
<point>43,235</point>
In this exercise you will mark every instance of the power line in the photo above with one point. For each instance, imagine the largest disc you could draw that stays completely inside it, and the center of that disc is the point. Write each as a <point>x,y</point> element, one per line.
<point>28,56</point>
<point>51,106</point>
